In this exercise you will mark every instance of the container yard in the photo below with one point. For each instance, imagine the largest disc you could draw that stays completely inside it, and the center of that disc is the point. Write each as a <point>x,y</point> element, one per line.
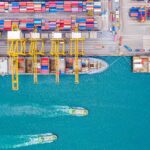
<point>48,16</point>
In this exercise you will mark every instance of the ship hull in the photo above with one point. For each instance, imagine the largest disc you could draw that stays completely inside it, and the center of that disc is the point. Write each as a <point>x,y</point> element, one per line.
<point>46,65</point>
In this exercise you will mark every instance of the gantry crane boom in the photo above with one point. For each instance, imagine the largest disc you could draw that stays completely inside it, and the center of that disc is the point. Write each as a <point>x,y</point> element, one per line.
<point>57,50</point>
<point>16,47</point>
<point>55,53</point>
<point>14,70</point>
<point>75,42</point>
<point>76,61</point>
<point>34,51</point>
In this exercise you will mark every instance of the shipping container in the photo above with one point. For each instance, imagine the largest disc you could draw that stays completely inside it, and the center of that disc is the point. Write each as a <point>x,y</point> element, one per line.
<point>44,65</point>
<point>85,65</point>
<point>29,65</point>
<point>51,6</point>
<point>21,65</point>
<point>4,69</point>
<point>69,65</point>
<point>52,65</point>
<point>62,65</point>
<point>42,24</point>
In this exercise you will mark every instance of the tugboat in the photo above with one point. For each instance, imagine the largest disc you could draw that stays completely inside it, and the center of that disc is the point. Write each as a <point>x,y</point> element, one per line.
<point>43,138</point>
<point>78,111</point>
<point>28,140</point>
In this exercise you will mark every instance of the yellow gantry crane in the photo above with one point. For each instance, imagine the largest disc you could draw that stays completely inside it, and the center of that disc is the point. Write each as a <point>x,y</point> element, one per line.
<point>16,47</point>
<point>76,50</point>
<point>57,50</point>
<point>36,49</point>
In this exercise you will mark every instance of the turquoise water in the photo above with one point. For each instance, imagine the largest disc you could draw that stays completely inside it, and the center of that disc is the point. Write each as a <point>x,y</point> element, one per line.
<point>118,102</point>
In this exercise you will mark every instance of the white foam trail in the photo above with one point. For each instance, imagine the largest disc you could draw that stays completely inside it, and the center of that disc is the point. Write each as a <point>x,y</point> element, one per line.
<point>115,61</point>
<point>18,110</point>
<point>28,144</point>
<point>63,109</point>
<point>9,142</point>
<point>33,110</point>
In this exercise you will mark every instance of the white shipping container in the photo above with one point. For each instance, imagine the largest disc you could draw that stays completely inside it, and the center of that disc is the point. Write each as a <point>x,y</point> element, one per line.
<point>93,35</point>
<point>44,35</point>
<point>27,35</point>
<point>14,35</point>
<point>85,35</point>
<point>117,16</point>
<point>137,60</point>
<point>138,66</point>
<point>62,65</point>
<point>38,65</point>
<point>117,12</point>
<point>3,66</point>
<point>67,35</point>
<point>97,11</point>
<point>35,35</point>
<point>97,3</point>
<point>57,35</point>
<point>76,35</point>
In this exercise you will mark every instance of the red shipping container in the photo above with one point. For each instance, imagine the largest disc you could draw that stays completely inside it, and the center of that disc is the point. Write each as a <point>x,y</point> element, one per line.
<point>23,4</point>
<point>43,10</point>
<point>30,11</point>
<point>134,14</point>
<point>27,20</point>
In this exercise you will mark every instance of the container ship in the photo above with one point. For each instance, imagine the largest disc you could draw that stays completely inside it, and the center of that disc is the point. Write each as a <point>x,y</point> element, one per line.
<point>46,65</point>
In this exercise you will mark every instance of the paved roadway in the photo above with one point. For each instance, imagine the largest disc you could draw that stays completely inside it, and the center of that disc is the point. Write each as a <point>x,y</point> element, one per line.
<point>103,45</point>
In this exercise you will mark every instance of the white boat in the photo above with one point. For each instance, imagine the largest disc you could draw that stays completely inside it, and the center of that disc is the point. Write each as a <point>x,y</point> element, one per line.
<point>28,140</point>
<point>43,138</point>
<point>78,111</point>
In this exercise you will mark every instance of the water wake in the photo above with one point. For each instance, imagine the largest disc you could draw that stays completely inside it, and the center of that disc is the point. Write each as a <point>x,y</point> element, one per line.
<point>11,141</point>
<point>33,110</point>
<point>115,61</point>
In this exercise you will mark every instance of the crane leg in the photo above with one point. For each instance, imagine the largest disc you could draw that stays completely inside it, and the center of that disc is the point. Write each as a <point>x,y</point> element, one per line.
<point>14,65</point>
<point>57,69</point>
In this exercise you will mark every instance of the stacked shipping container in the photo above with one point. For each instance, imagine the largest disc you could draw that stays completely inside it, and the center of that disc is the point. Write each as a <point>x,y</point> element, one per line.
<point>44,65</point>
<point>21,65</point>
<point>51,6</point>
<point>69,65</point>
<point>41,24</point>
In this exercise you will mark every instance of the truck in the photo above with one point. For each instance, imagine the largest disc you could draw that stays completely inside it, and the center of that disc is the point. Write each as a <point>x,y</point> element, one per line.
<point>128,48</point>
<point>138,13</point>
